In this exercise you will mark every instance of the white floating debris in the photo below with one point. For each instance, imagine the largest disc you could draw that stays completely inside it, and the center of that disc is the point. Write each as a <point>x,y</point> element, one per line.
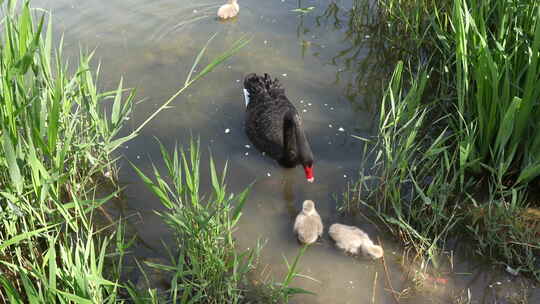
<point>263,153</point>
<point>329,142</point>
<point>326,105</point>
<point>309,104</point>
<point>301,101</point>
<point>227,131</point>
<point>512,271</point>
<point>344,175</point>
<point>330,126</point>
<point>229,67</point>
<point>237,80</point>
<point>246,154</point>
<point>284,74</point>
<point>266,41</point>
<point>194,11</point>
<point>138,157</point>
<point>268,174</point>
<point>247,146</point>
<point>331,108</point>
<point>367,36</point>
<point>304,110</point>
<point>341,129</point>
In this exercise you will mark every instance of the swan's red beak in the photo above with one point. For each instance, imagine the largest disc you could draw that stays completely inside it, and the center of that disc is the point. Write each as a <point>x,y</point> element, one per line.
<point>309,173</point>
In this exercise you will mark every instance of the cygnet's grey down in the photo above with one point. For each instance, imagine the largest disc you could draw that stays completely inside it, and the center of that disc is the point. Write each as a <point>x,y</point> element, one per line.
<point>308,225</point>
<point>352,240</point>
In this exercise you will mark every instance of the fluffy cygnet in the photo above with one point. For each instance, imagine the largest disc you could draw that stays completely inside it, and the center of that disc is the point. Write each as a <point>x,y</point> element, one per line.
<point>228,10</point>
<point>352,239</point>
<point>308,225</point>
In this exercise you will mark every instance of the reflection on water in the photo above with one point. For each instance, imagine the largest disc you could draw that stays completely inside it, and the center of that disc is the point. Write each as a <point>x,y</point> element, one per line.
<point>331,73</point>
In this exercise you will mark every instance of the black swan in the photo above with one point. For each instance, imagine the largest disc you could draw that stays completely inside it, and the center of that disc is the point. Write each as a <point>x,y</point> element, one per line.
<point>308,225</point>
<point>273,124</point>
<point>228,10</point>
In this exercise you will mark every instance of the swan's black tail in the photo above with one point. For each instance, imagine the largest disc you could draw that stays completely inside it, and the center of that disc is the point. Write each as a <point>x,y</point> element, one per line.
<point>262,85</point>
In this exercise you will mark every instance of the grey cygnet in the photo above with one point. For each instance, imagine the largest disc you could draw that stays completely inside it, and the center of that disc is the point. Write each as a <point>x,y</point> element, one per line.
<point>352,240</point>
<point>308,225</point>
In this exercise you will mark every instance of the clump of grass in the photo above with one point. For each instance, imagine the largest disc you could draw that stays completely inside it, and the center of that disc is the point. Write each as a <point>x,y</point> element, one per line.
<point>207,264</point>
<point>206,267</point>
<point>57,134</point>
<point>485,58</point>
<point>413,170</point>
<point>55,145</point>
<point>460,158</point>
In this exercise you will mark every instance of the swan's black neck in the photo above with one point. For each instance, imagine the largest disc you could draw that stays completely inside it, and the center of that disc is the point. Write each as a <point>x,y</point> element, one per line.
<point>297,149</point>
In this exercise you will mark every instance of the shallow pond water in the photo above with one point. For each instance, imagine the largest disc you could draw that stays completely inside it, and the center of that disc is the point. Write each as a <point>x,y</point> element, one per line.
<point>331,77</point>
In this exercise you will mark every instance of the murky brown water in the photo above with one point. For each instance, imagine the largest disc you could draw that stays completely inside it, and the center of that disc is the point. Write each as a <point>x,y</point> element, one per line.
<point>152,44</point>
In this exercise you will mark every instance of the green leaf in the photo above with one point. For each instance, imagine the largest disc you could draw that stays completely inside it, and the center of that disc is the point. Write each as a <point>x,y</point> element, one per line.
<point>13,166</point>
<point>13,296</point>
<point>507,126</point>
<point>303,10</point>
<point>115,115</point>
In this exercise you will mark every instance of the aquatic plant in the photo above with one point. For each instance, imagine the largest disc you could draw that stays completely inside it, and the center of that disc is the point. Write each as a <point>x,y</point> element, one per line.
<point>57,134</point>
<point>458,136</point>
<point>56,146</point>
<point>207,266</point>
<point>485,56</point>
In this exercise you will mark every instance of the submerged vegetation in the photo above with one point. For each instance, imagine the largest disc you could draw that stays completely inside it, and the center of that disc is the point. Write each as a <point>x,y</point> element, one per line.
<point>458,149</point>
<point>58,133</point>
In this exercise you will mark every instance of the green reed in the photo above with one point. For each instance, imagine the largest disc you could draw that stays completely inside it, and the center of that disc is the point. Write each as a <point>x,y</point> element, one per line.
<point>486,57</point>
<point>207,268</point>
<point>56,143</point>
<point>57,134</point>
<point>207,264</point>
<point>458,134</point>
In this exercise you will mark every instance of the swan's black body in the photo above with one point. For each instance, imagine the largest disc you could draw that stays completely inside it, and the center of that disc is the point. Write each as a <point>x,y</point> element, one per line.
<point>273,124</point>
